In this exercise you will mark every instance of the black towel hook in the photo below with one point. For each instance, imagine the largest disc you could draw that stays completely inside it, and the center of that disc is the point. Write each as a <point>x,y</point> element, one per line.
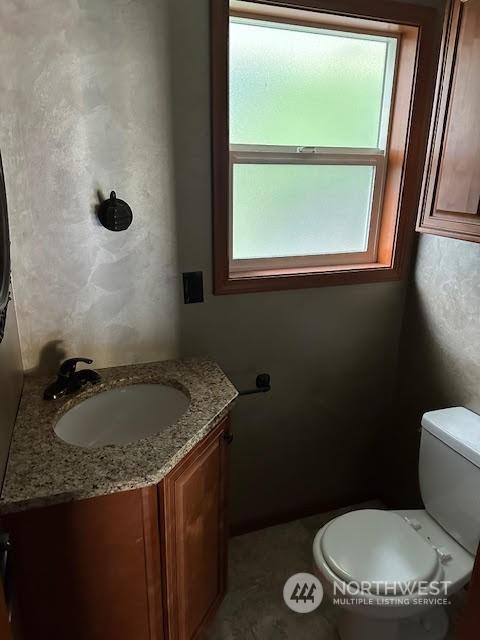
<point>115,214</point>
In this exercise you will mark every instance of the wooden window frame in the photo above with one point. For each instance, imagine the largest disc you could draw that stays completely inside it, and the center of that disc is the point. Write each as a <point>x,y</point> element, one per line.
<point>411,108</point>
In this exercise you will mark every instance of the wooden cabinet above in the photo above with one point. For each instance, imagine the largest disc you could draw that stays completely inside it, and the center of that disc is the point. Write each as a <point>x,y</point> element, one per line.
<point>451,194</point>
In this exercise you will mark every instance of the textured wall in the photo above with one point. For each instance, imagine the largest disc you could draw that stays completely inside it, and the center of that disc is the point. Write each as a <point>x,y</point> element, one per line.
<point>85,108</point>
<point>331,352</point>
<point>11,377</point>
<point>440,349</point>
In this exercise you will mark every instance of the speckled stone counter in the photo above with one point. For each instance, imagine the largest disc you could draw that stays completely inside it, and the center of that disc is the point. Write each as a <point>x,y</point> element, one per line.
<point>44,470</point>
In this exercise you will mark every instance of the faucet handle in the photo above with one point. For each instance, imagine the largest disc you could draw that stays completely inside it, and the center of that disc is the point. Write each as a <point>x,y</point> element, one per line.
<point>68,367</point>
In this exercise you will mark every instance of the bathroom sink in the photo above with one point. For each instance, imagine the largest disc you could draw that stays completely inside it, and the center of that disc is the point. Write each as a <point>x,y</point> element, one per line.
<point>122,415</point>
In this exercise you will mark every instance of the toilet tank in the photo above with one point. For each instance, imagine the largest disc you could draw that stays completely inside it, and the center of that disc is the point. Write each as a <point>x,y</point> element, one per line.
<point>449,471</point>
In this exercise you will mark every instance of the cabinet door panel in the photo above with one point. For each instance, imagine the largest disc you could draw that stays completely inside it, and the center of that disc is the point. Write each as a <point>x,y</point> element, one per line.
<point>195,537</point>
<point>80,569</point>
<point>451,202</point>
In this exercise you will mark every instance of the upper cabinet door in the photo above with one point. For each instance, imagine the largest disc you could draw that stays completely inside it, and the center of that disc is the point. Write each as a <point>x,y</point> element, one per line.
<point>451,196</point>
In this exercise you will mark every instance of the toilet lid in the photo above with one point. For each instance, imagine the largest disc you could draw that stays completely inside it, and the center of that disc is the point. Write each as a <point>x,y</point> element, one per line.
<point>380,547</point>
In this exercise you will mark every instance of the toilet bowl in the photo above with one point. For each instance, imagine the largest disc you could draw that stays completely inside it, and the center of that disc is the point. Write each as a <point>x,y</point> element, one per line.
<point>392,572</point>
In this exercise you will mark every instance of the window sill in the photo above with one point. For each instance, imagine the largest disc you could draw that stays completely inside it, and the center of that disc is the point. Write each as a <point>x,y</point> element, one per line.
<point>254,282</point>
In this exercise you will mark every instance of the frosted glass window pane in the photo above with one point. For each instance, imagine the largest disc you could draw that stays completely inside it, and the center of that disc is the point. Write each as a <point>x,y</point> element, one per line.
<point>291,87</point>
<point>298,210</point>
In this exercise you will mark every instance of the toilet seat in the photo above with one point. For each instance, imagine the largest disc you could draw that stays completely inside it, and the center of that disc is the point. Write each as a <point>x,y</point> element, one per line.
<point>367,616</point>
<point>380,539</point>
<point>379,547</point>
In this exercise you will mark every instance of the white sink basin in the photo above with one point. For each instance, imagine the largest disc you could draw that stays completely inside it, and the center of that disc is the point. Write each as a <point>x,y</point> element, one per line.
<point>122,415</point>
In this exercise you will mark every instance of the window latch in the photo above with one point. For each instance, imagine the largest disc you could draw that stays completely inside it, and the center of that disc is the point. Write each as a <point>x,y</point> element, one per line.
<point>306,149</point>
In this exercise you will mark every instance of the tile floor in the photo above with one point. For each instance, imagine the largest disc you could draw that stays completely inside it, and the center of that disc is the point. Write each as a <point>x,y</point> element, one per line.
<point>260,562</point>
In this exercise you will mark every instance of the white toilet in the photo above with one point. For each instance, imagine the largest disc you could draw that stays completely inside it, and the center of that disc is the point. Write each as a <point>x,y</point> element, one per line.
<point>390,571</point>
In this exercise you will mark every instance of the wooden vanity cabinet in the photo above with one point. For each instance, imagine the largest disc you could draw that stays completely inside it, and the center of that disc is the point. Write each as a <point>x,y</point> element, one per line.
<point>451,192</point>
<point>147,564</point>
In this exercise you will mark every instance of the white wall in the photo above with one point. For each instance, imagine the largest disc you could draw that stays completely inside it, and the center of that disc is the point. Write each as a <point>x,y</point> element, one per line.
<point>440,351</point>
<point>86,107</point>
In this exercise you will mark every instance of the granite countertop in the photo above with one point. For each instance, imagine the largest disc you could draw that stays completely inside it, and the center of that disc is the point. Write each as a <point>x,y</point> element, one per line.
<point>43,470</point>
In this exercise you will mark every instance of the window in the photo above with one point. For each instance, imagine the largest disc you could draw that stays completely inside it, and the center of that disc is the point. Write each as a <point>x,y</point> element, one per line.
<point>314,177</point>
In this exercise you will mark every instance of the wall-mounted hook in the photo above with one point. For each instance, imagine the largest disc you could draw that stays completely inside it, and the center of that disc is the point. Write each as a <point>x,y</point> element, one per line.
<point>115,214</point>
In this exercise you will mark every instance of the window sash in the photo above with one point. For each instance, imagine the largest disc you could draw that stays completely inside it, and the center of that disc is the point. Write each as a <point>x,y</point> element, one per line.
<point>391,40</point>
<point>270,154</point>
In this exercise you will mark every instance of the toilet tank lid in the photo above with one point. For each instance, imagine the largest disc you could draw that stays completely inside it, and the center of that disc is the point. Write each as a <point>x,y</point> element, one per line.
<point>457,427</point>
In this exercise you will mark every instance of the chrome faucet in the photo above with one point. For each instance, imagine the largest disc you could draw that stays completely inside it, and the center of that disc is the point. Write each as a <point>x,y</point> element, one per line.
<point>69,380</point>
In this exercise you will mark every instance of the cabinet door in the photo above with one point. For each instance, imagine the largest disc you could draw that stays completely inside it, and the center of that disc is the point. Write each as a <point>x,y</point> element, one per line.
<point>195,536</point>
<point>451,202</point>
<point>5,632</point>
<point>88,570</point>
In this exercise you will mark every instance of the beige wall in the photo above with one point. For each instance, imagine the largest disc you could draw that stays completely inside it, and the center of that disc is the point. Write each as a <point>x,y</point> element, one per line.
<point>439,349</point>
<point>85,107</point>
<point>331,352</point>
<point>11,376</point>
